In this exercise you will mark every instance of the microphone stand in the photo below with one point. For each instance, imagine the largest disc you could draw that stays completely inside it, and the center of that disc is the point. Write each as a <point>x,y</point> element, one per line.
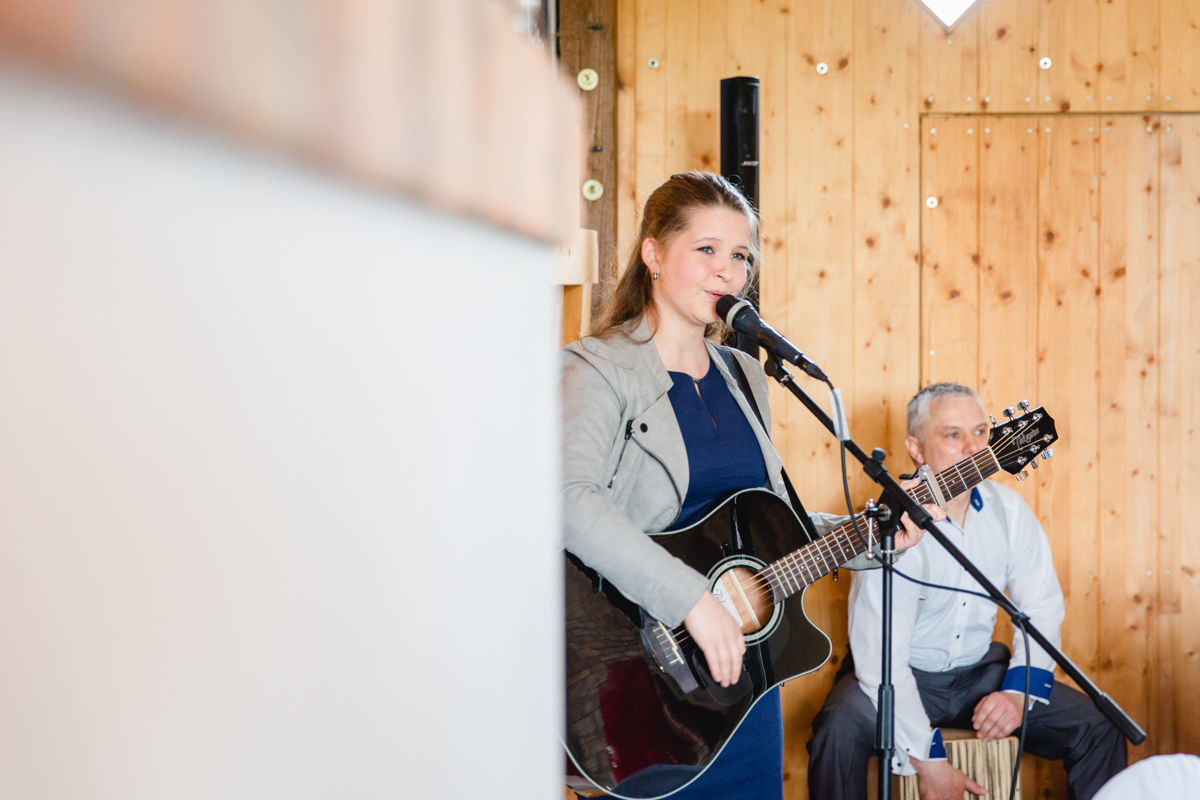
<point>888,513</point>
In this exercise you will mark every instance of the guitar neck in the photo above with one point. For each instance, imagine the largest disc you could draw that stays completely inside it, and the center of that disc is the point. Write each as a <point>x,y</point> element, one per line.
<point>802,567</point>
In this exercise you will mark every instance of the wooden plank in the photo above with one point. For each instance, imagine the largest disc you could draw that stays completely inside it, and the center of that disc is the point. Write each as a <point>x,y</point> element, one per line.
<point>820,292</point>
<point>651,99</point>
<point>1184,580</point>
<point>1129,55</point>
<point>1178,675</point>
<point>696,41</point>
<point>887,271</point>
<point>949,251</point>
<point>820,208</point>
<point>949,64</point>
<point>1128,315</point>
<point>1069,35</point>
<point>587,40</point>
<point>1165,619</point>
<point>1008,57</point>
<point>1008,232</point>
<point>757,46</point>
<point>626,188</point>
<point>1068,281</point>
<point>1180,55</point>
<point>756,40</point>
<point>576,300</point>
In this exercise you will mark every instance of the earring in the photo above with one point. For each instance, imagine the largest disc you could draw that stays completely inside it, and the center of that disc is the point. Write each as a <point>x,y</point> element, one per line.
<point>654,276</point>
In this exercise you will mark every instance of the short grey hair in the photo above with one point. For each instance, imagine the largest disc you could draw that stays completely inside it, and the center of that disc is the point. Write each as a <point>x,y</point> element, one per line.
<point>918,407</point>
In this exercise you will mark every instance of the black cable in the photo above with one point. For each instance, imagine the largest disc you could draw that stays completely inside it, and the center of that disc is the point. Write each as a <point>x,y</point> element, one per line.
<point>1018,622</point>
<point>846,488</point>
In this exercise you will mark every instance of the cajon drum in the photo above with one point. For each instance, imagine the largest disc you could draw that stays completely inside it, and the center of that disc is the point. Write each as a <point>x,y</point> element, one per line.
<point>990,764</point>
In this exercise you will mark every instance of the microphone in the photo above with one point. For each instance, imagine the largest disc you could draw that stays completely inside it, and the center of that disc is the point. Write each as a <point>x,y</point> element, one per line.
<point>740,315</point>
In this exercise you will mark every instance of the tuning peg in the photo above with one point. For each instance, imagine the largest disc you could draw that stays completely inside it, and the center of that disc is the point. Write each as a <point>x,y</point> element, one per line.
<point>1022,475</point>
<point>993,419</point>
<point>1048,452</point>
<point>1008,412</point>
<point>1024,404</point>
<point>1033,463</point>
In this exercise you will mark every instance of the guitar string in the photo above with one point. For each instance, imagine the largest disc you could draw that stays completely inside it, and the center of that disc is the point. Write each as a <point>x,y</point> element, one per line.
<point>798,563</point>
<point>808,555</point>
<point>799,567</point>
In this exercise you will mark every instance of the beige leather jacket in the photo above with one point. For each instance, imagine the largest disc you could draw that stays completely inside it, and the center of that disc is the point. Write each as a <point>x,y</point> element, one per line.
<point>625,467</point>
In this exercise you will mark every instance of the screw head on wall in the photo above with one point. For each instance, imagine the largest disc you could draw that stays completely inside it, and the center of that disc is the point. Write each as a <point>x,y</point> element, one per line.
<point>587,79</point>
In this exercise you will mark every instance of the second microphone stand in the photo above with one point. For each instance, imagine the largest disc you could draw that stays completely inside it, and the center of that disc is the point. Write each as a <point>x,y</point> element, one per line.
<point>894,501</point>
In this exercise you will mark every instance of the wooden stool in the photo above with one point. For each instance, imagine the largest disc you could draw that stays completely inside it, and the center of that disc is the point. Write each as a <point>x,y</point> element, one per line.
<point>990,764</point>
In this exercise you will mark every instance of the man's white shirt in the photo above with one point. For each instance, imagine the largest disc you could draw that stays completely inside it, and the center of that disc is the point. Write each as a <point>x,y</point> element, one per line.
<point>1002,536</point>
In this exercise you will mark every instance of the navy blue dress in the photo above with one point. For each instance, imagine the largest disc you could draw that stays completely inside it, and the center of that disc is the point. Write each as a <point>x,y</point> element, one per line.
<point>724,457</point>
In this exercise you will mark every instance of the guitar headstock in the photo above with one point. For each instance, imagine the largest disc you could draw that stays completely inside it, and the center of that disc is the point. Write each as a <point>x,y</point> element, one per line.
<point>1022,438</point>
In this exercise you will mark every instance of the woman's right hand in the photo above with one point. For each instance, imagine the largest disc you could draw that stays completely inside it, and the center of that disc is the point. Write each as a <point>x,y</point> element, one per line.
<point>718,636</point>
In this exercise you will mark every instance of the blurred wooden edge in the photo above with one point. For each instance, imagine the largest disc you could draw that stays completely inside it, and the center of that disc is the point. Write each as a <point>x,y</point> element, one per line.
<point>439,100</point>
<point>578,271</point>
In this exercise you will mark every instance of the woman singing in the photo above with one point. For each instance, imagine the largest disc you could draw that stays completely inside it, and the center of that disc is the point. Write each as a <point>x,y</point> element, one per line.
<point>653,362</point>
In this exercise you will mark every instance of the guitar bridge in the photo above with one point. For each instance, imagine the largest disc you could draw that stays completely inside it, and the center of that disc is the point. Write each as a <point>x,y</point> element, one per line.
<point>662,645</point>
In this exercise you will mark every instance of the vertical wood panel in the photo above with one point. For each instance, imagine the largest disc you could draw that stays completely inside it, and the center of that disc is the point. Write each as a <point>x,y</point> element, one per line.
<point>1185,571</point>
<point>819,213</point>
<point>1129,55</point>
<point>950,64</point>
<point>1068,342</point>
<point>757,44</point>
<point>696,42</point>
<point>950,255</point>
<point>1008,58</point>
<point>1008,195</point>
<point>1068,485</point>
<point>886,220</point>
<point>1180,55</point>
<point>1069,35</point>
<point>1178,727</point>
<point>1166,629</point>
<point>651,34</point>
<point>1128,317</point>
<point>627,131</point>
<point>820,291</point>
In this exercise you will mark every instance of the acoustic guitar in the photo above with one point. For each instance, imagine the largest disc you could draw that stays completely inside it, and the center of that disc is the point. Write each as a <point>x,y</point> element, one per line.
<point>644,716</point>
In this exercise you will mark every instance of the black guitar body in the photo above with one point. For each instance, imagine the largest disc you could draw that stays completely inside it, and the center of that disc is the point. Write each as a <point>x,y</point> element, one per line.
<point>644,717</point>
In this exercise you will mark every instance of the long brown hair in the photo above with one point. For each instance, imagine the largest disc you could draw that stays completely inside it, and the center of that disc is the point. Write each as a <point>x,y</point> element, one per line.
<point>668,211</point>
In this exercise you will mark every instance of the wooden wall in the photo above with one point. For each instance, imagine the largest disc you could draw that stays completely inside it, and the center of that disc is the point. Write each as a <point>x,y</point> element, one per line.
<point>1060,265</point>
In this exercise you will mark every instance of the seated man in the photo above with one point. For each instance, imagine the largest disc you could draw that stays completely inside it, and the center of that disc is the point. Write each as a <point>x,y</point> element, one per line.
<point>946,669</point>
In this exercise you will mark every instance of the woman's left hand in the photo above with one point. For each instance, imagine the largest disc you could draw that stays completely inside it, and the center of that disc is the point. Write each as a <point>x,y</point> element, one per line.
<point>911,534</point>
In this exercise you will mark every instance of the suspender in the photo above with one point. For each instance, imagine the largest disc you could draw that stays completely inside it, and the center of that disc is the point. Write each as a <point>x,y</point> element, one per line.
<point>735,369</point>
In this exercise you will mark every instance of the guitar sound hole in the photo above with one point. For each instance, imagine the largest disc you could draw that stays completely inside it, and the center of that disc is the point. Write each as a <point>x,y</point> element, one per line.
<point>747,597</point>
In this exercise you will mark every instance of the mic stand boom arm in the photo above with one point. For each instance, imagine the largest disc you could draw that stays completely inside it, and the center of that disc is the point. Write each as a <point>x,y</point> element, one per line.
<point>920,517</point>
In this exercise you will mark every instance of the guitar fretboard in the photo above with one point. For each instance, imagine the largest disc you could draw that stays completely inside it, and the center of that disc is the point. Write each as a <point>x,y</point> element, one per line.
<point>802,567</point>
